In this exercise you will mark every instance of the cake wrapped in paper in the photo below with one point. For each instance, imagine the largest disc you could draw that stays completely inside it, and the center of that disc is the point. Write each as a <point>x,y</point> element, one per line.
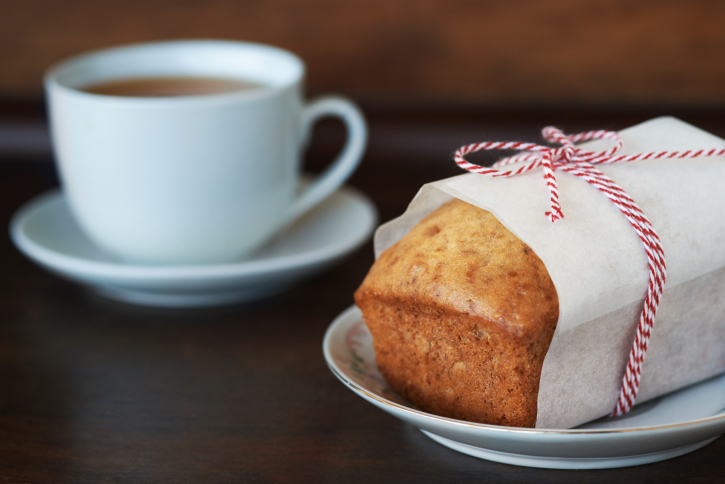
<point>482,309</point>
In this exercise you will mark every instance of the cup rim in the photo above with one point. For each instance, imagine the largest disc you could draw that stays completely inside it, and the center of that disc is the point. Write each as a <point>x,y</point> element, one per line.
<point>52,82</point>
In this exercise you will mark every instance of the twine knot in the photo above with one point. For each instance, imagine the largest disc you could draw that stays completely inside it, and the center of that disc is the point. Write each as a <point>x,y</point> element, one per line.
<point>550,159</point>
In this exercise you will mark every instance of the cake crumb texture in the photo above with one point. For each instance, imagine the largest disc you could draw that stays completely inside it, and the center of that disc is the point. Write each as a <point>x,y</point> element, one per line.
<point>462,313</point>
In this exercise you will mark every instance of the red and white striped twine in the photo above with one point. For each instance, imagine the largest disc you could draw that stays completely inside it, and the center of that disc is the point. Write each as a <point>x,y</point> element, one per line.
<point>581,163</point>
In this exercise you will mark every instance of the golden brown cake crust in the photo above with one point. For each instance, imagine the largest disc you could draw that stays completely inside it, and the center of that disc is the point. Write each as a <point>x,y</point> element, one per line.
<point>462,313</point>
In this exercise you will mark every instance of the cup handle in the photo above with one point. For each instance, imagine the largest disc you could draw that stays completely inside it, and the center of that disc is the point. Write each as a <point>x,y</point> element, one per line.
<point>340,170</point>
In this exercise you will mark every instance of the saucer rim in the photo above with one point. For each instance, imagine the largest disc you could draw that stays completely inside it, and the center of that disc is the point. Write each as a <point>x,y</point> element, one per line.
<point>80,267</point>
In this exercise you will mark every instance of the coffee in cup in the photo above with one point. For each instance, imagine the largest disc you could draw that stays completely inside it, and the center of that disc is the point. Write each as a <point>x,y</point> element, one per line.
<point>169,86</point>
<point>188,152</point>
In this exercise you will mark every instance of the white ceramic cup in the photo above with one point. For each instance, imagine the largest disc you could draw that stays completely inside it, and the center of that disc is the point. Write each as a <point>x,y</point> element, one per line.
<point>190,179</point>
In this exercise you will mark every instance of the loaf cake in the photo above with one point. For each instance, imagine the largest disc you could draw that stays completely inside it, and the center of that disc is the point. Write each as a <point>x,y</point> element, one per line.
<point>462,313</point>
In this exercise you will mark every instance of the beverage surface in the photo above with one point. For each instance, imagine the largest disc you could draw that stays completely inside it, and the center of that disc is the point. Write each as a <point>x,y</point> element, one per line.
<point>169,86</point>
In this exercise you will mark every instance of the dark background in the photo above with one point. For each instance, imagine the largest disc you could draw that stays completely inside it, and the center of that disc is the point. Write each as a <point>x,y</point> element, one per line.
<point>424,54</point>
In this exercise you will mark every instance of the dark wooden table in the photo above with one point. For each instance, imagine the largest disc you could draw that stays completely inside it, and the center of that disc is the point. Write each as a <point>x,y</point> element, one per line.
<point>97,391</point>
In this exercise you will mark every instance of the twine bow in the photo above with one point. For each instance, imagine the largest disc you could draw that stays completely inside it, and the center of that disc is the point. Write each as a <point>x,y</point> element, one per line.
<point>570,159</point>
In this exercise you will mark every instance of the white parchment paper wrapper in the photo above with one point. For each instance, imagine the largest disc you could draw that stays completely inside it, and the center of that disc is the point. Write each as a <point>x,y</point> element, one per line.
<point>599,267</point>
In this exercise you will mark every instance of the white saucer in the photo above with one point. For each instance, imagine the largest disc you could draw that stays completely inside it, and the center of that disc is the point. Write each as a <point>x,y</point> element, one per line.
<point>46,232</point>
<point>667,427</point>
